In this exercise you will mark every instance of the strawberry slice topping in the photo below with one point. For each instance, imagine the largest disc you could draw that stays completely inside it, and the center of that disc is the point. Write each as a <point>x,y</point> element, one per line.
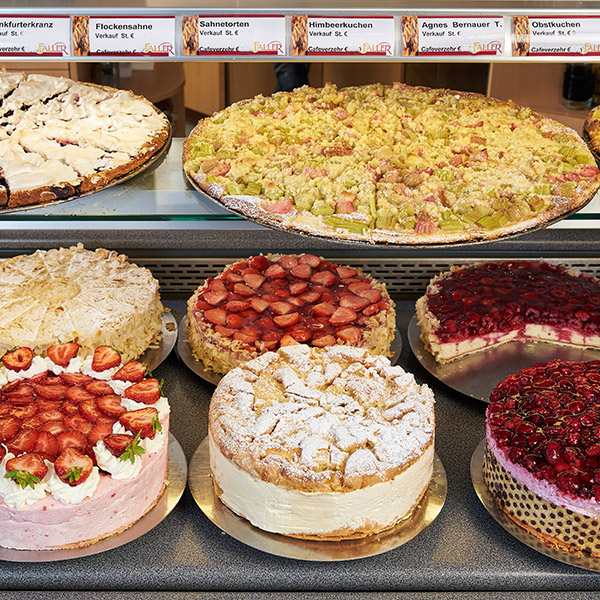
<point>26,470</point>
<point>143,422</point>
<point>99,432</point>
<point>76,395</point>
<point>133,371</point>
<point>8,427</point>
<point>77,422</point>
<point>61,354</point>
<point>105,358</point>
<point>23,441</point>
<point>46,446</point>
<point>19,359</point>
<point>89,409</point>
<point>76,378</point>
<point>72,466</point>
<point>110,405</point>
<point>99,388</point>
<point>147,391</point>
<point>50,392</point>
<point>71,438</point>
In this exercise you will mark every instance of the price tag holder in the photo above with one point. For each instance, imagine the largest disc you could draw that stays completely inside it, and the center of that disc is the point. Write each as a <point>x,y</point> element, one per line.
<point>261,35</point>
<point>124,36</point>
<point>452,36</point>
<point>342,36</point>
<point>34,36</point>
<point>556,36</point>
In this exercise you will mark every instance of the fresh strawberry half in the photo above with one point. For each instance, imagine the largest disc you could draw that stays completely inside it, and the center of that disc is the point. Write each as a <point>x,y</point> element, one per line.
<point>26,470</point>
<point>105,358</point>
<point>133,371</point>
<point>124,446</point>
<point>143,422</point>
<point>19,359</point>
<point>61,354</point>
<point>72,466</point>
<point>147,391</point>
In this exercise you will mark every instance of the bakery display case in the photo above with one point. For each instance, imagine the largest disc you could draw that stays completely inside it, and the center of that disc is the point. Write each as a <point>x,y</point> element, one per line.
<point>161,222</point>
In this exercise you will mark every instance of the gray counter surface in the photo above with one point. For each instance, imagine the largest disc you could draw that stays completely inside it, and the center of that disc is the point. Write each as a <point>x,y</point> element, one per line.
<point>463,554</point>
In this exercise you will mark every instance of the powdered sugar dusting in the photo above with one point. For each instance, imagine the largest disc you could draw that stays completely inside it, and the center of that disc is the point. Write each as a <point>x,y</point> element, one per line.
<point>331,417</point>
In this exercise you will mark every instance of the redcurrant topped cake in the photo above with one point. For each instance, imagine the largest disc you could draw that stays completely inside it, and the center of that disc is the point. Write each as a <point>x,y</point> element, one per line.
<point>542,462</point>
<point>265,302</point>
<point>83,446</point>
<point>477,306</point>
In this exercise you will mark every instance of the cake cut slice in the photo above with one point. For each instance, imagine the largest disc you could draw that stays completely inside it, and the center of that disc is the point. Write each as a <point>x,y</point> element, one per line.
<point>264,302</point>
<point>477,306</point>
<point>542,461</point>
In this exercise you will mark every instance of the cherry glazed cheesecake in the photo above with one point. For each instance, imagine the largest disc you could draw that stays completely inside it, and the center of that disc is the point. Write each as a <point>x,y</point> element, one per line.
<point>324,443</point>
<point>474,307</point>
<point>265,302</point>
<point>542,459</point>
<point>93,297</point>
<point>83,446</point>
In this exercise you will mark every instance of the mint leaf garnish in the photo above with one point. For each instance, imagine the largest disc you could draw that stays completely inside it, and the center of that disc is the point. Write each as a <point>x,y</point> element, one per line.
<point>23,478</point>
<point>133,449</point>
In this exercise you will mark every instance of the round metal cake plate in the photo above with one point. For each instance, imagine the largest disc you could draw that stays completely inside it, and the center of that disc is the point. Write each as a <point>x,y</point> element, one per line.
<point>152,162</point>
<point>363,243</point>
<point>197,366</point>
<point>477,374</point>
<point>584,562</point>
<point>158,352</point>
<point>201,486</point>
<point>177,478</point>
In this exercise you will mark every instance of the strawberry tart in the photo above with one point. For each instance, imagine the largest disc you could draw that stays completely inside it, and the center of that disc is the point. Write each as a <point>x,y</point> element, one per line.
<point>72,294</point>
<point>473,307</point>
<point>321,443</point>
<point>265,302</point>
<point>542,459</point>
<point>83,446</point>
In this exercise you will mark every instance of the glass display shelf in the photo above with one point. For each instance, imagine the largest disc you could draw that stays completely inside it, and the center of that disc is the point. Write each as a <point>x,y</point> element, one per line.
<point>161,196</point>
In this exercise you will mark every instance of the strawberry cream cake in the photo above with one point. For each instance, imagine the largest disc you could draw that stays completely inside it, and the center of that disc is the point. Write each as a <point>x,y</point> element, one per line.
<point>477,306</point>
<point>265,302</point>
<point>323,443</point>
<point>72,294</point>
<point>542,460</point>
<point>83,446</point>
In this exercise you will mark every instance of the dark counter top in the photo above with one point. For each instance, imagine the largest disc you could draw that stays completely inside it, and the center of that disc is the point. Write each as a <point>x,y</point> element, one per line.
<point>463,554</point>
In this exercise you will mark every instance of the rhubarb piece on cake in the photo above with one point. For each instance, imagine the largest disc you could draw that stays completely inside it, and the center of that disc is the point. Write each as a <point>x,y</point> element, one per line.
<point>265,302</point>
<point>78,296</point>
<point>325,443</point>
<point>477,306</point>
<point>542,459</point>
<point>61,469</point>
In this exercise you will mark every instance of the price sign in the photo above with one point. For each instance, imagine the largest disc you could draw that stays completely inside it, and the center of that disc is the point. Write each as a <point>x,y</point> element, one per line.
<point>556,36</point>
<point>452,36</point>
<point>342,36</point>
<point>34,36</point>
<point>130,36</point>
<point>234,35</point>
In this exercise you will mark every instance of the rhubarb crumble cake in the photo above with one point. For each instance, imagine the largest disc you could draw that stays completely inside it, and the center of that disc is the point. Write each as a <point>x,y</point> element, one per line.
<point>325,443</point>
<point>83,446</point>
<point>60,138</point>
<point>72,294</point>
<point>542,460</point>
<point>473,307</point>
<point>391,164</point>
<point>264,302</point>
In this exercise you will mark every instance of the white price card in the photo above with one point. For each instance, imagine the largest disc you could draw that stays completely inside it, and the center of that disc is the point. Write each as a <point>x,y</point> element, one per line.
<point>452,36</point>
<point>556,36</point>
<point>342,36</point>
<point>259,35</point>
<point>152,36</point>
<point>34,35</point>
